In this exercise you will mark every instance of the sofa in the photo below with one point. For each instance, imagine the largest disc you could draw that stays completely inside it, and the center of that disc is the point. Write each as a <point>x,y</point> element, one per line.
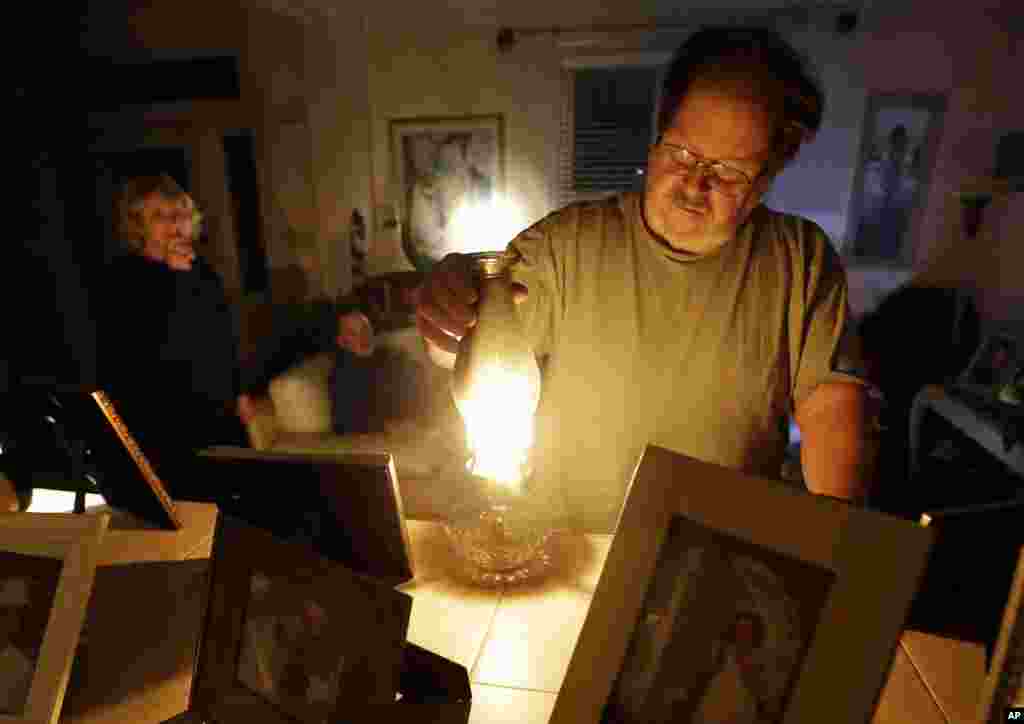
<point>406,410</point>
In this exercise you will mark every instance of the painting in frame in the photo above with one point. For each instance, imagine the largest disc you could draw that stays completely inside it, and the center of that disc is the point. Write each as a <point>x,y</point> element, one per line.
<point>47,569</point>
<point>769,611</point>
<point>897,154</point>
<point>442,167</point>
<point>291,636</point>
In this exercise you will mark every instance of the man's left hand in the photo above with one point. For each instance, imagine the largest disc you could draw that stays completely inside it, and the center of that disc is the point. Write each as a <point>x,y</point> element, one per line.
<point>355,333</point>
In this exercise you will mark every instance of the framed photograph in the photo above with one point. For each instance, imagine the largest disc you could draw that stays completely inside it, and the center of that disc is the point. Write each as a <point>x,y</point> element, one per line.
<point>346,505</point>
<point>731,598</point>
<point>47,569</point>
<point>443,166</point>
<point>74,422</point>
<point>897,154</point>
<point>291,636</point>
<point>996,363</point>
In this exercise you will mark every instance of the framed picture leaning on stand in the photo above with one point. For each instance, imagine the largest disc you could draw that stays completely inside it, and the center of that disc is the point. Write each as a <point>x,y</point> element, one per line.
<point>732,598</point>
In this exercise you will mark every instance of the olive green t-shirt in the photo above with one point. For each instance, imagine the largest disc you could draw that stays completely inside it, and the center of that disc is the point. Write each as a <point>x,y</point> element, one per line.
<point>704,355</point>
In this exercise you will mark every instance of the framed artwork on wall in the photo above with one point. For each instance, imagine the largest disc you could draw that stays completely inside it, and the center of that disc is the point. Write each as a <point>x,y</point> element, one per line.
<point>770,610</point>
<point>443,166</point>
<point>897,154</point>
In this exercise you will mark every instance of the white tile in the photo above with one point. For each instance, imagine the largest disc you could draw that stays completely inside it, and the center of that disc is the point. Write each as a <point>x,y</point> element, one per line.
<point>532,638</point>
<point>499,705</point>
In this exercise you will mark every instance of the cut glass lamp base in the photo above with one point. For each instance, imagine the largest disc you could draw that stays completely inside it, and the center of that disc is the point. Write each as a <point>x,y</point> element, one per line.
<point>497,545</point>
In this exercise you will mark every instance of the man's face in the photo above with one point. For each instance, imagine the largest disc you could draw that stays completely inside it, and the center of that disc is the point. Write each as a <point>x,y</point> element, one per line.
<point>718,122</point>
<point>168,229</point>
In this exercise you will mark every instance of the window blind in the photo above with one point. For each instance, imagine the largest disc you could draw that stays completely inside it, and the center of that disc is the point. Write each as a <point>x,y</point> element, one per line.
<point>607,128</point>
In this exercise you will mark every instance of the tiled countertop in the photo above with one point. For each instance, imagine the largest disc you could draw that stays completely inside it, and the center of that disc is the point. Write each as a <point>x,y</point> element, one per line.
<point>516,641</point>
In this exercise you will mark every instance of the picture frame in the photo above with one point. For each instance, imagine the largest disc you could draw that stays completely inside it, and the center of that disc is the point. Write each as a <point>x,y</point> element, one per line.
<point>787,607</point>
<point>441,164</point>
<point>47,569</point>
<point>995,363</point>
<point>85,424</point>
<point>1004,681</point>
<point>959,599</point>
<point>354,513</point>
<point>900,136</point>
<point>292,636</point>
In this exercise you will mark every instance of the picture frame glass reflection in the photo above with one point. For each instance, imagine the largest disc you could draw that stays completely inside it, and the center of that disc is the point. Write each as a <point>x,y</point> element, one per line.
<point>289,651</point>
<point>722,632</point>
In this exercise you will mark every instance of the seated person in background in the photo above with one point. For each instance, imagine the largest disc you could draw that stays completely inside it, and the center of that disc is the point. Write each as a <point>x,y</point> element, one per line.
<point>168,348</point>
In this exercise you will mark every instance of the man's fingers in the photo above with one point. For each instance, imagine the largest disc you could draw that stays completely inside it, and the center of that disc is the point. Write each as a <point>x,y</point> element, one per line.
<point>453,304</point>
<point>519,293</point>
<point>433,334</point>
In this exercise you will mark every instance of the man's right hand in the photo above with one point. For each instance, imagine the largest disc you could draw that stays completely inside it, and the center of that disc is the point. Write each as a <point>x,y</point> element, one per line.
<point>446,303</point>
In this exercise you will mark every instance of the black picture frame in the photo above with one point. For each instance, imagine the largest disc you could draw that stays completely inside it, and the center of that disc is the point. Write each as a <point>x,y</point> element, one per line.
<point>350,503</point>
<point>363,623</point>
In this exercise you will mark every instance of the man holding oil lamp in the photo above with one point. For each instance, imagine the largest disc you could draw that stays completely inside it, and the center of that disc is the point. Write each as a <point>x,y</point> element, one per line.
<point>689,316</point>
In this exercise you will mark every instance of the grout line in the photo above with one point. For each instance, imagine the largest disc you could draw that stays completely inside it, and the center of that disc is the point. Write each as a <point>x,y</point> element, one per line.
<point>927,685</point>
<point>518,688</point>
<point>487,637</point>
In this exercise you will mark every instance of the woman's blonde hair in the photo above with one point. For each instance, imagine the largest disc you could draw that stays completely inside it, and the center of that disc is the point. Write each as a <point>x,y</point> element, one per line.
<point>131,226</point>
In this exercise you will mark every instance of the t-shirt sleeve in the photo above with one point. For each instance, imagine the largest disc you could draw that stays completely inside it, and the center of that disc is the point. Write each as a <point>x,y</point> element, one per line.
<point>537,266</point>
<point>824,346</point>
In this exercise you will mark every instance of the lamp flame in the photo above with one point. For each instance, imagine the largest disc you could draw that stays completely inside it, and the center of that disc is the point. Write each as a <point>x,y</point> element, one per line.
<point>498,414</point>
<point>484,225</point>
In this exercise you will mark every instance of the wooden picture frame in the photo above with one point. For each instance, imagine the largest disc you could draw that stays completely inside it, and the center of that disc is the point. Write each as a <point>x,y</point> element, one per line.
<point>714,574</point>
<point>31,542</point>
<point>357,517</point>
<point>292,636</point>
<point>900,136</point>
<point>440,164</point>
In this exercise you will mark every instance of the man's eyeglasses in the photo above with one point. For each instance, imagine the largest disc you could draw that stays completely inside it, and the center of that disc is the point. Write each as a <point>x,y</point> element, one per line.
<point>721,177</point>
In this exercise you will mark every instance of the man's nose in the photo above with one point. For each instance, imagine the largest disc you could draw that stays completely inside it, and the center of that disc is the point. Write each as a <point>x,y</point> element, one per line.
<point>695,182</point>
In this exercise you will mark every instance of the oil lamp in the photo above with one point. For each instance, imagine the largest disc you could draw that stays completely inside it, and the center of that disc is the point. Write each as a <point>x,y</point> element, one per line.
<point>502,533</point>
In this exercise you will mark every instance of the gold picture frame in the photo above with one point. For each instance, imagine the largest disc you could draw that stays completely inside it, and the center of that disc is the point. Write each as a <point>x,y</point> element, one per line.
<point>759,595</point>
<point>47,558</point>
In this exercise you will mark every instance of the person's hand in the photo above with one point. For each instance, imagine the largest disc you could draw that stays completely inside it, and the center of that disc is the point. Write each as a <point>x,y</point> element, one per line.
<point>446,302</point>
<point>355,333</point>
<point>180,255</point>
<point>8,496</point>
